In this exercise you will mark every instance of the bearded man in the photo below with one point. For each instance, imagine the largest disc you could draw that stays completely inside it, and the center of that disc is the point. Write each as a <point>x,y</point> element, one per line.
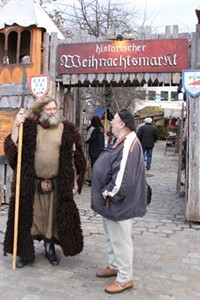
<point>52,172</point>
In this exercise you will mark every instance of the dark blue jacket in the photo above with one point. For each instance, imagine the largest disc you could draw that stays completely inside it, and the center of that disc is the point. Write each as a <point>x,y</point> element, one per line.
<point>119,174</point>
<point>147,135</point>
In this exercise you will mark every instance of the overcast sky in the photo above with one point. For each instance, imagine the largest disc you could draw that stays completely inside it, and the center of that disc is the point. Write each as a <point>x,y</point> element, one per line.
<point>159,13</point>
<point>169,12</point>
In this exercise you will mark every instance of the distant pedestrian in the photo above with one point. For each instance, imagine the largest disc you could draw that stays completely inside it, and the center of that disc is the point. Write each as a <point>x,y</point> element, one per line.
<point>147,135</point>
<point>95,139</point>
<point>141,124</point>
<point>119,194</point>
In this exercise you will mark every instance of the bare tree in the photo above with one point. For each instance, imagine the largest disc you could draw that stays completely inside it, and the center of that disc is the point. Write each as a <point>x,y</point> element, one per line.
<point>111,97</point>
<point>95,16</point>
<point>2,3</point>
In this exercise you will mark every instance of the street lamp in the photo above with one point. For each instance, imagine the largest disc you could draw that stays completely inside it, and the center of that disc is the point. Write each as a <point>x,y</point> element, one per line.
<point>119,37</point>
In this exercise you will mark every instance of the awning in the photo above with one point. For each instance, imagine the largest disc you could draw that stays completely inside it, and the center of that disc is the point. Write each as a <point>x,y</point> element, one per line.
<point>26,13</point>
<point>103,112</point>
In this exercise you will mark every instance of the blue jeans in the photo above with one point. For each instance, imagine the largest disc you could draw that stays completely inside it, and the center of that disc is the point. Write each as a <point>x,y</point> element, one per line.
<point>148,155</point>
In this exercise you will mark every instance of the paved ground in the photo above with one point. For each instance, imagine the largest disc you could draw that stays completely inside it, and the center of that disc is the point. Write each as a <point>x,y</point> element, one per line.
<point>166,251</point>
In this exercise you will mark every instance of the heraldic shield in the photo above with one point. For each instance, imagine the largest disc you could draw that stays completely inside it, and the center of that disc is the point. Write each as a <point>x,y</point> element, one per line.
<point>39,85</point>
<point>191,82</point>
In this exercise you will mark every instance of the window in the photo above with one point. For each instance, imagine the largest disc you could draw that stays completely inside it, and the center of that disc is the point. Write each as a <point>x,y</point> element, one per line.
<point>25,42</point>
<point>174,96</point>
<point>152,95</point>
<point>12,47</point>
<point>15,46</point>
<point>164,96</point>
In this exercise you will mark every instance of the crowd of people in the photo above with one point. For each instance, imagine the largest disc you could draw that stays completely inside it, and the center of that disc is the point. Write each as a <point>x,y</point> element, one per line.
<point>53,168</point>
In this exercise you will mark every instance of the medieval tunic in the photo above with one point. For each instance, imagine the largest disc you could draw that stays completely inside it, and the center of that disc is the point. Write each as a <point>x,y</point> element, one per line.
<point>66,230</point>
<point>46,167</point>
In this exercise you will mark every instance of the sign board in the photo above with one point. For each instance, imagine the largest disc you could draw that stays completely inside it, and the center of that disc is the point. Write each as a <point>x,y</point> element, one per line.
<point>191,82</point>
<point>167,55</point>
<point>7,118</point>
<point>39,85</point>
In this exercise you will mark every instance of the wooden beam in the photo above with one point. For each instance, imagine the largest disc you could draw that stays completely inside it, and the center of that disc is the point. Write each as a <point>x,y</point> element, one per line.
<point>45,54</point>
<point>193,180</point>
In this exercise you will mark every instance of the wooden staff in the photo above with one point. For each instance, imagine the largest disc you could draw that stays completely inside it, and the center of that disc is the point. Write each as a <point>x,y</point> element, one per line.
<point>18,176</point>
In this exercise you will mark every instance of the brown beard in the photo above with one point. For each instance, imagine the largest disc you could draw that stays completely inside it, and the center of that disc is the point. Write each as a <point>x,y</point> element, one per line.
<point>49,121</point>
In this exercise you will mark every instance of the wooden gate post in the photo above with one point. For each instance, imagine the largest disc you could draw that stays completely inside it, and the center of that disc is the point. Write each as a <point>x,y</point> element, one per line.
<point>193,157</point>
<point>193,181</point>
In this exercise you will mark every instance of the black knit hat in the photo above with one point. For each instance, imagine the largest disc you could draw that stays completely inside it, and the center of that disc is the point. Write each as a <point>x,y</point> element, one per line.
<point>127,118</point>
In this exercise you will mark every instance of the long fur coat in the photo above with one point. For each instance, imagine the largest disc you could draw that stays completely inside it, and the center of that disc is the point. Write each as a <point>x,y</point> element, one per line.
<point>67,216</point>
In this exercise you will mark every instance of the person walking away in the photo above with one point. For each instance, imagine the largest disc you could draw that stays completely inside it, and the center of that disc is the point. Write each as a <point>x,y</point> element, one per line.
<point>95,139</point>
<point>118,194</point>
<point>147,135</point>
<point>141,124</point>
<point>52,172</point>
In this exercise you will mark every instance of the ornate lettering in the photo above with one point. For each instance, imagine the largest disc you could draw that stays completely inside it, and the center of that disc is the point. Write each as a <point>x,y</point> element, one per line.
<point>124,62</point>
<point>70,61</point>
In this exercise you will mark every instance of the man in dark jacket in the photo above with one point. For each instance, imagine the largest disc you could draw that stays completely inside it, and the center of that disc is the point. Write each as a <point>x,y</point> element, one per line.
<point>147,135</point>
<point>52,172</point>
<point>119,194</point>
